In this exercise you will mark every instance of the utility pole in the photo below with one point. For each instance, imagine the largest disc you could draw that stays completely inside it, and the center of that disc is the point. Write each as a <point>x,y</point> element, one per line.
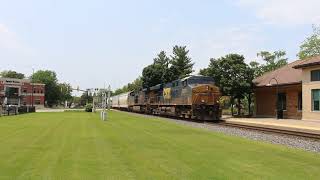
<point>32,88</point>
<point>104,104</point>
<point>109,94</point>
<point>95,92</point>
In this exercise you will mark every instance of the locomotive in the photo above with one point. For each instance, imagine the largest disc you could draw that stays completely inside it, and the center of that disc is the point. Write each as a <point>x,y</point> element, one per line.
<point>193,97</point>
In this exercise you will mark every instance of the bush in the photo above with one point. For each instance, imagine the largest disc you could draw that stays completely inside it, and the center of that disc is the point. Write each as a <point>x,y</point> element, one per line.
<point>89,108</point>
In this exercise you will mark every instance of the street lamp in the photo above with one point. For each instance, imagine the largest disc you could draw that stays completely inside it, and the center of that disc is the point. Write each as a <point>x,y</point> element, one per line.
<point>277,91</point>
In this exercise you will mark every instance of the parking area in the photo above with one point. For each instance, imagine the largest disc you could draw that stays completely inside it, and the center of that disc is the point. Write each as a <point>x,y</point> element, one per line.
<point>286,124</point>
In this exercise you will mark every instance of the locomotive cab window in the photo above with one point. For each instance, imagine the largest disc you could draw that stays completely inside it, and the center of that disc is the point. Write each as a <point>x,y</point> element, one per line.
<point>201,81</point>
<point>184,83</point>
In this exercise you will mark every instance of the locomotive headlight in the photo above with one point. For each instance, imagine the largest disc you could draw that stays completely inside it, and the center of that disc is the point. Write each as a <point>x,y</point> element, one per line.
<point>202,100</point>
<point>207,88</point>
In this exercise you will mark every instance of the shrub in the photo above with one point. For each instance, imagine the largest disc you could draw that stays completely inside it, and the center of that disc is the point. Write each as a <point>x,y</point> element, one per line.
<point>89,108</point>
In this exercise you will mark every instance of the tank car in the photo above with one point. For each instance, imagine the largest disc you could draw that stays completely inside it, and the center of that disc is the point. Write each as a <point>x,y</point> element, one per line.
<point>120,101</point>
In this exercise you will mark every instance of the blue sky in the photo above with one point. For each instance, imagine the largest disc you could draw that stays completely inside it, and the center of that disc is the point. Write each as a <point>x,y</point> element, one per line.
<point>89,43</point>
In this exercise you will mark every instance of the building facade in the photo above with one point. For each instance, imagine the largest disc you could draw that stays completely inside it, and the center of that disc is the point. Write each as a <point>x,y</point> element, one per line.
<point>290,92</point>
<point>310,88</point>
<point>21,92</point>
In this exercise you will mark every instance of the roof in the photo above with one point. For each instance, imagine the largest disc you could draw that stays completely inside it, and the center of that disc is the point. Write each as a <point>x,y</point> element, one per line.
<point>284,75</point>
<point>17,81</point>
<point>312,61</point>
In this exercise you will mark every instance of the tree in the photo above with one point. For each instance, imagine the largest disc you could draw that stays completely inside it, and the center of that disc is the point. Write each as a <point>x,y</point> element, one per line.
<point>158,72</point>
<point>151,75</point>
<point>12,74</point>
<point>311,46</point>
<point>49,78</point>
<point>232,75</point>
<point>86,98</point>
<point>65,92</point>
<point>272,61</point>
<point>256,68</point>
<point>162,63</point>
<point>134,86</point>
<point>181,64</point>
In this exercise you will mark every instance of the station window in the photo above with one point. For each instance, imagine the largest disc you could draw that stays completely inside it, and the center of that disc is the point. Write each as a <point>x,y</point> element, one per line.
<point>315,75</point>
<point>316,99</point>
<point>282,101</point>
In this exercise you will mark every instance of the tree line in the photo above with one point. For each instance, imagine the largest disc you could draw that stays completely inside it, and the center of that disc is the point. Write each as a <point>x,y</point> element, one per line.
<point>164,69</point>
<point>231,72</point>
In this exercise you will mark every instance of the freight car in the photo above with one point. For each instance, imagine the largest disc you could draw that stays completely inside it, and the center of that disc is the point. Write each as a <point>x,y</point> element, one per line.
<point>194,97</point>
<point>120,101</point>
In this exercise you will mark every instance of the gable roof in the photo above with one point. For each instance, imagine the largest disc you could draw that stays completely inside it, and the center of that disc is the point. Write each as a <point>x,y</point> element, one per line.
<point>312,61</point>
<point>284,75</point>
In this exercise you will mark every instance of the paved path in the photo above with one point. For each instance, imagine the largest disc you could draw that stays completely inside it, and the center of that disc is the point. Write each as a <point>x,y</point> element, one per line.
<point>312,125</point>
<point>57,110</point>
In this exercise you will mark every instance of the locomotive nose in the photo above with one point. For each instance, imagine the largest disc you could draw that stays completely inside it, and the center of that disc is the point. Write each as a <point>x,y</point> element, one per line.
<point>204,94</point>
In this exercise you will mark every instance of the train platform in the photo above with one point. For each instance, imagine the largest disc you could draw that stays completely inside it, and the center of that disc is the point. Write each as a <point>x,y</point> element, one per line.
<point>307,126</point>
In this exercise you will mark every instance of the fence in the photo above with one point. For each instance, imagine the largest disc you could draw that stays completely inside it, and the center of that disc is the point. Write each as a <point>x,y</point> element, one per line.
<point>15,110</point>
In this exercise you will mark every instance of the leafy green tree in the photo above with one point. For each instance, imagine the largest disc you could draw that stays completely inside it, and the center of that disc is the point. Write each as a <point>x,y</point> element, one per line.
<point>272,61</point>
<point>181,64</point>
<point>158,72</point>
<point>233,76</point>
<point>65,92</point>
<point>75,101</point>
<point>256,68</point>
<point>12,74</point>
<point>86,98</point>
<point>135,85</point>
<point>311,46</point>
<point>162,63</point>
<point>151,75</point>
<point>49,78</point>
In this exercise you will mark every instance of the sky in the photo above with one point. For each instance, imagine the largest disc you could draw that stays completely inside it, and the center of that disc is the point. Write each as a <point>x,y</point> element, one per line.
<point>92,43</point>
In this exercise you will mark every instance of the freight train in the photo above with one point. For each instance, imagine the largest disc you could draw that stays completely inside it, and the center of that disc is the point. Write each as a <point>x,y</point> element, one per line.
<point>193,97</point>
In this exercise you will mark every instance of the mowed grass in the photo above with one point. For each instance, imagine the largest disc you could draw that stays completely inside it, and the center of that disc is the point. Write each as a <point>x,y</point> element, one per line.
<point>77,145</point>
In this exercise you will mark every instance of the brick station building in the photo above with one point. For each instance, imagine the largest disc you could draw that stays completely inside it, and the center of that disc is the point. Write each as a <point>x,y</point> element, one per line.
<point>21,92</point>
<point>293,91</point>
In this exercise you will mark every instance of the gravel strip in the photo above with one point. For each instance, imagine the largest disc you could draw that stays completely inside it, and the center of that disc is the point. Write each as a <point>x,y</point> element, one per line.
<point>287,140</point>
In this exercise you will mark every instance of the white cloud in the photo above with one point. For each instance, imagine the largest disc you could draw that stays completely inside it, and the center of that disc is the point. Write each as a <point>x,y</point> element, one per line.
<point>288,12</point>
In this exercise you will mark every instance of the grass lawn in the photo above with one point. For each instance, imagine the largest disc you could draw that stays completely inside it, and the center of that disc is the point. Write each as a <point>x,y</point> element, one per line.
<point>77,145</point>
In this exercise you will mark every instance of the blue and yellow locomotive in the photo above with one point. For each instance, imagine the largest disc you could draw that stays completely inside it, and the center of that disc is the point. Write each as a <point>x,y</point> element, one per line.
<point>193,97</point>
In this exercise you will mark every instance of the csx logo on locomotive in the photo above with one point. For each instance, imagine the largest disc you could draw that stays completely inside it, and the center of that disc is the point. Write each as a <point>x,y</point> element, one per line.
<point>167,93</point>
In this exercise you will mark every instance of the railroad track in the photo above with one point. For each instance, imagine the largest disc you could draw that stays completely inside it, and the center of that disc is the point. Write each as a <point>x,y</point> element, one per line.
<point>298,133</point>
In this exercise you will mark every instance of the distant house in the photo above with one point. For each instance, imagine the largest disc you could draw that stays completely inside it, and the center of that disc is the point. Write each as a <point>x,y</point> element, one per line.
<point>21,92</point>
<point>292,91</point>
